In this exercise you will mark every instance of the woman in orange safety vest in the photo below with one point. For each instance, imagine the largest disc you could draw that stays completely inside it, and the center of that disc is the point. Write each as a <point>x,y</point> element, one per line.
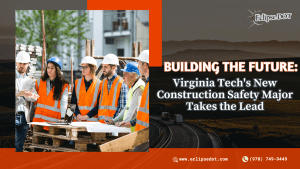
<point>53,91</point>
<point>86,92</point>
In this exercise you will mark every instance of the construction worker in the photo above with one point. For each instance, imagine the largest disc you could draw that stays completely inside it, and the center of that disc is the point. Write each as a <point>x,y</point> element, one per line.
<point>131,78</point>
<point>53,91</point>
<point>142,118</point>
<point>23,99</point>
<point>113,90</point>
<point>86,91</point>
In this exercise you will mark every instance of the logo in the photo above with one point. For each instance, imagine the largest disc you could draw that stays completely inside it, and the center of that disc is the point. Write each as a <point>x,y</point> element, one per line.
<point>175,159</point>
<point>245,159</point>
<point>259,18</point>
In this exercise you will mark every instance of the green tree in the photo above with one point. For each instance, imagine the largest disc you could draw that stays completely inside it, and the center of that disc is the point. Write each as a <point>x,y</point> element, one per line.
<point>62,27</point>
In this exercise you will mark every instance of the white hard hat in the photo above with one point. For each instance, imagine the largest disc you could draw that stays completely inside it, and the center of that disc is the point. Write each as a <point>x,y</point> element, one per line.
<point>23,57</point>
<point>89,60</point>
<point>144,56</point>
<point>111,59</point>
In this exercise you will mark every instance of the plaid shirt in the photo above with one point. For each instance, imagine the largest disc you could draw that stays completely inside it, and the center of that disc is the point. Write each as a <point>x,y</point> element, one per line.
<point>123,94</point>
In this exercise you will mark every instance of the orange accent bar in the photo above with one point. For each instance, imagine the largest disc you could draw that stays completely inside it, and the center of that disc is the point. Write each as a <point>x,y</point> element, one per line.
<point>156,158</point>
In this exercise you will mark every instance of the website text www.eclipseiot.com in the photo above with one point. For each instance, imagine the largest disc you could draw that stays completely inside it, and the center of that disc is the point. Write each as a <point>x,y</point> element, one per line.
<point>200,159</point>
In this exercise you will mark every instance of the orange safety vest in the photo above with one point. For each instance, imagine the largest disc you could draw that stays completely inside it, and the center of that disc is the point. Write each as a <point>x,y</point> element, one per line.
<point>108,102</point>
<point>87,100</point>
<point>47,109</point>
<point>142,117</point>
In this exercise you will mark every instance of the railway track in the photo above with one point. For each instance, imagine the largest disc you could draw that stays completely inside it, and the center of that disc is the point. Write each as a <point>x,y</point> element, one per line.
<point>166,134</point>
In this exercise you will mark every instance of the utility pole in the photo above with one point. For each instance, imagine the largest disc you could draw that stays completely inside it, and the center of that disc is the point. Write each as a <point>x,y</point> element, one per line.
<point>44,44</point>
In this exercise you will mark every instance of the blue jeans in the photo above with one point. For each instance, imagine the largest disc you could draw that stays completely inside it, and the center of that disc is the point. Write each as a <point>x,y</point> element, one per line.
<point>20,134</point>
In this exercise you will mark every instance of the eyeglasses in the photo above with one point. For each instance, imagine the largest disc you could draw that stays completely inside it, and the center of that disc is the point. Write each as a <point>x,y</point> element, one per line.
<point>83,67</point>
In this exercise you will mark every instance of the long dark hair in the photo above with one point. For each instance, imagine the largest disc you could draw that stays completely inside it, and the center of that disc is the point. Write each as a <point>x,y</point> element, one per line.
<point>58,82</point>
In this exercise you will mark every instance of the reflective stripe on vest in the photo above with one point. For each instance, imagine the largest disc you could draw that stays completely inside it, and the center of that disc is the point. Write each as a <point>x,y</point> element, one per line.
<point>50,119</point>
<point>108,107</point>
<point>45,118</point>
<point>142,123</point>
<point>38,82</point>
<point>37,116</point>
<point>101,97</point>
<point>107,117</point>
<point>49,107</point>
<point>144,109</point>
<point>77,89</point>
<point>37,85</point>
<point>92,119</point>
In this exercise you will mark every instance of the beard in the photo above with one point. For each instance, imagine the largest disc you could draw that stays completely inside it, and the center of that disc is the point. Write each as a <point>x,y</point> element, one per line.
<point>22,70</point>
<point>109,73</point>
